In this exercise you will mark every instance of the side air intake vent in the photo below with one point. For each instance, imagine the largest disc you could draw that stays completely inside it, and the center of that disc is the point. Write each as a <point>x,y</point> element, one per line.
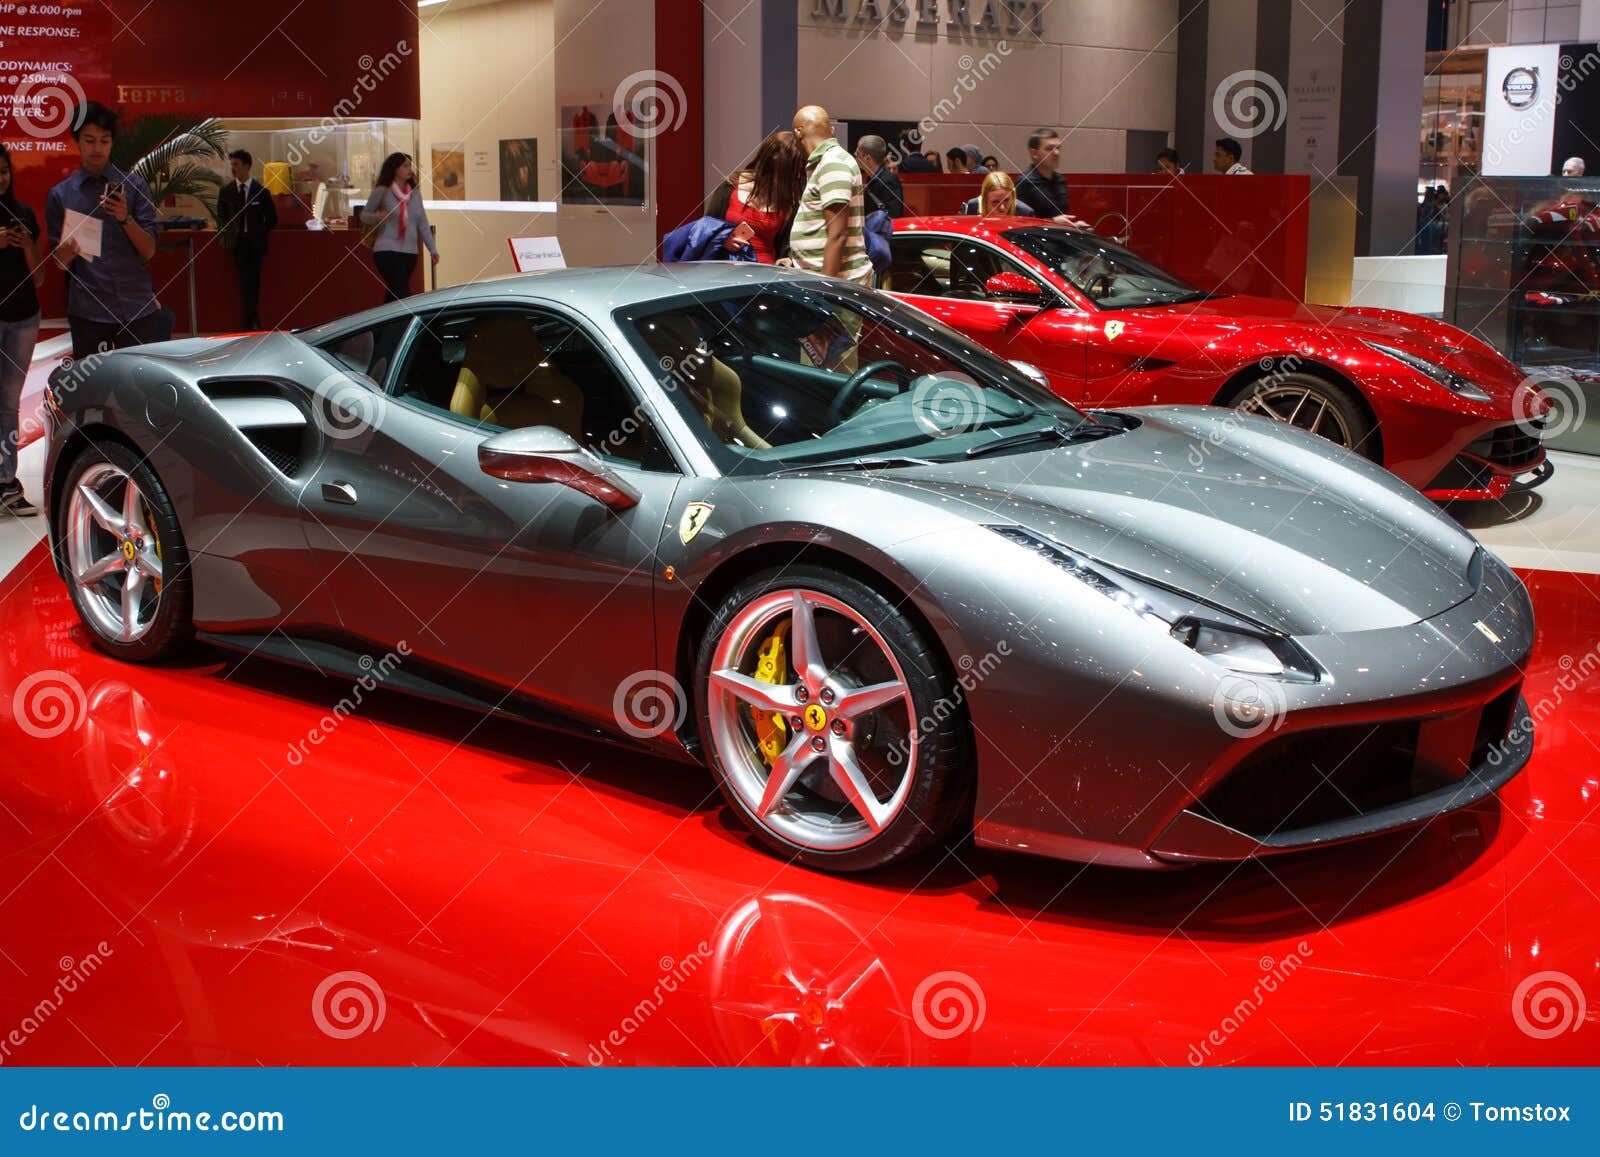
<point>266,413</point>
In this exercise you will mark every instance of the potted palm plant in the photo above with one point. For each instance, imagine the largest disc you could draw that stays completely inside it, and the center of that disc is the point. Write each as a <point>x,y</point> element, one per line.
<point>171,154</point>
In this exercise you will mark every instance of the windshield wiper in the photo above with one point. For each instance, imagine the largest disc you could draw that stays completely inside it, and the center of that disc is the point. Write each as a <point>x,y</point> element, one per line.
<point>859,464</point>
<point>1087,432</point>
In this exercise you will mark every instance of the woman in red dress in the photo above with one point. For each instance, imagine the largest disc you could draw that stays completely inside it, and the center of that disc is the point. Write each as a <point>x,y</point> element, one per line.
<point>764,195</point>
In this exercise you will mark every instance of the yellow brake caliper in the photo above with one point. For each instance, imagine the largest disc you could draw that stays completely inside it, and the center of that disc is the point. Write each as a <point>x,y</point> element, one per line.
<point>149,520</point>
<point>772,666</point>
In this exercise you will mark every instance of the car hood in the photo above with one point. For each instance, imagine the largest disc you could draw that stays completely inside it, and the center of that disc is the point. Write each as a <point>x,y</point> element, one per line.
<point>1260,518</point>
<point>1428,338</point>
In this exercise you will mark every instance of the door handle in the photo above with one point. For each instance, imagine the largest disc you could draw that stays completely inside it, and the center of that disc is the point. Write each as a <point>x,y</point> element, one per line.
<point>341,492</point>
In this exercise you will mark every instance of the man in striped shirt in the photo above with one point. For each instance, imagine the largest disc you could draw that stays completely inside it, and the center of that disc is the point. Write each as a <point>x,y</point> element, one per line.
<point>828,235</point>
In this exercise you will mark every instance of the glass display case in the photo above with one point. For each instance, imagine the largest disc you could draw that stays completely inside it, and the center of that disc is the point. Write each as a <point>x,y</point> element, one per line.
<point>1523,274</point>
<point>341,156</point>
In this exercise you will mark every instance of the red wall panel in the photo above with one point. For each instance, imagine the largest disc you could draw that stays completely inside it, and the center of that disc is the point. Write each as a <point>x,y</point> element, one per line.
<point>287,58</point>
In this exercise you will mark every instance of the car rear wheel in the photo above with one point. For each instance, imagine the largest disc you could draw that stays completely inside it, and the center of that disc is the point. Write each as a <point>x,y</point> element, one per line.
<point>1313,404</point>
<point>831,723</point>
<point>127,566</point>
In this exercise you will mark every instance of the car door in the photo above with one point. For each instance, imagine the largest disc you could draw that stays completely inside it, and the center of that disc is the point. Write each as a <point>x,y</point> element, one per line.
<point>947,276</point>
<point>533,586</point>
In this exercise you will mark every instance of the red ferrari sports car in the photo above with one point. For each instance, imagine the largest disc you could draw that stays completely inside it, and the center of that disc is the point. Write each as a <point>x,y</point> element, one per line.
<point>1438,407</point>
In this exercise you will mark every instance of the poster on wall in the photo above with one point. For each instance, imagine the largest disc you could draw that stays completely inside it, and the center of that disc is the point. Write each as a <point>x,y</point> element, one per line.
<point>519,169</point>
<point>449,172</point>
<point>50,63</point>
<point>602,162</point>
<point>1316,60</point>
<point>1520,110</point>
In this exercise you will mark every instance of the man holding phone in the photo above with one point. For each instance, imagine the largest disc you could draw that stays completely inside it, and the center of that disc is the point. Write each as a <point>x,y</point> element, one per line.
<point>110,301</point>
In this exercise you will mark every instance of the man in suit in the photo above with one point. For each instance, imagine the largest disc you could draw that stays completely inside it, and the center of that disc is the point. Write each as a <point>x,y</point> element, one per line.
<point>246,214</point>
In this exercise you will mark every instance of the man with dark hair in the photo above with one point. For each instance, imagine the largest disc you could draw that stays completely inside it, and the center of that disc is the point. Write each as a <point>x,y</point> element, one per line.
<point>1044,189</point>
<point>245,215</point>
<point>956,160</point>
<point>1168,162</point>
<point>882,188</point>
<point>911,158</point>
<point>110,301</point>
<point>1225,158</point>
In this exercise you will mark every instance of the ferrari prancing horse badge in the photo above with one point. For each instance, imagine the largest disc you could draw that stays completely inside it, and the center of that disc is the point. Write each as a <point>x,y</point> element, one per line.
<point>695,517</point>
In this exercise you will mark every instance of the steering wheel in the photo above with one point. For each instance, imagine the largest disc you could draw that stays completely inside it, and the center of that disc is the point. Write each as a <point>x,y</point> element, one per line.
<point>861,382</point>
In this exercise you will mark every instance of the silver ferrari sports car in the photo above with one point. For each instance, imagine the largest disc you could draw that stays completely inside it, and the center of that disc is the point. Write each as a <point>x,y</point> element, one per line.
<point>884,584</point>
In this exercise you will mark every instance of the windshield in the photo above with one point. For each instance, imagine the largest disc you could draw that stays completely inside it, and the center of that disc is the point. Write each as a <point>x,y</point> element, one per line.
<point>784,375</point>
<point>1107,274</point>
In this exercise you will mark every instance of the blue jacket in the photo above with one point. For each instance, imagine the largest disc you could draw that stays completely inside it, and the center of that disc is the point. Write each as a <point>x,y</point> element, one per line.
<point>702,240</point>
<point>878,229</point>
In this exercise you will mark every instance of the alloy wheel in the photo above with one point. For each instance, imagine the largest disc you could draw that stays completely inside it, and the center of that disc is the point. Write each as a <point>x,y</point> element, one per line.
<point>842,711</point>
<point>113,556</point>
<point>1303,406</point>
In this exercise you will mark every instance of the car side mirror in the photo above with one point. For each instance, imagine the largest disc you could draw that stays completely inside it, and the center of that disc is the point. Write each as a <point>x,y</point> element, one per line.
<point>1008,286</point>
<point>545,454</point>
<point>1032,372</point>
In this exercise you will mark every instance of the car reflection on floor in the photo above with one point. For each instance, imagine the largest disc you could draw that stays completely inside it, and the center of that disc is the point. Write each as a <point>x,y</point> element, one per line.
<point>429,887</point>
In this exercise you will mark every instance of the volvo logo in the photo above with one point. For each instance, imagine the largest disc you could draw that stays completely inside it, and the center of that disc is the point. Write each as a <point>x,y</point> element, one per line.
<point>1521,87</point>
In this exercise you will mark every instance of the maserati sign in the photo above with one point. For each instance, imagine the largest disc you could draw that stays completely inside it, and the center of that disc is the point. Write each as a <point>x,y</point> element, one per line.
<point>959,17</point>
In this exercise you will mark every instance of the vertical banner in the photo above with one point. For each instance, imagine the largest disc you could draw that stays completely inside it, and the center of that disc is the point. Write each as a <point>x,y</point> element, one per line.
<point>52,58</point>
<point>1519,110</point>
<point>1316,61</point>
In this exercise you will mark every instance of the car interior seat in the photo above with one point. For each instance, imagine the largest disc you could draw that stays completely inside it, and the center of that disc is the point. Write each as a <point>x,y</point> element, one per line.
<point>714,386</point>
<point>505,379</point>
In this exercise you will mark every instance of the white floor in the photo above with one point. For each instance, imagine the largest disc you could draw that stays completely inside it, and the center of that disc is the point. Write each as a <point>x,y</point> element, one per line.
<point>18,535</point>
<point>1555,527</point>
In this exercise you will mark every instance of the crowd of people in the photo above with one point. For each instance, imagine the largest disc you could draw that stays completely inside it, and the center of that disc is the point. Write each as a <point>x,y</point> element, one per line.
<point>804,199</point>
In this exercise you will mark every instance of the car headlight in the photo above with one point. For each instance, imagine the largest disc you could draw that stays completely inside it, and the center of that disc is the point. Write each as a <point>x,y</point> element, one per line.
<point>1227,639</point>
<point>1449,379</point>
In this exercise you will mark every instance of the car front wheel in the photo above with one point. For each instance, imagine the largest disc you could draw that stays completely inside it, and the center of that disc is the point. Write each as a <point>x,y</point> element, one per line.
<point>127,567</point>
<point>830,721</point>
<point>1312,404</point>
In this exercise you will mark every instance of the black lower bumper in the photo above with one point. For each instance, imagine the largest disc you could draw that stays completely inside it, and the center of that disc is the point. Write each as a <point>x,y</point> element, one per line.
<point>1200,834</point>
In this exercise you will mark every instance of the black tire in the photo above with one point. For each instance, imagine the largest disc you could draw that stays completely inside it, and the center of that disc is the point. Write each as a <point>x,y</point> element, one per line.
<point>941,792</point>
<point>1340,401</point>
<point>172,627</point>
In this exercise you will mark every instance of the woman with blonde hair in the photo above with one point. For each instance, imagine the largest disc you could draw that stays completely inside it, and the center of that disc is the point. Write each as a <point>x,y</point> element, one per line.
<point>998,196</point>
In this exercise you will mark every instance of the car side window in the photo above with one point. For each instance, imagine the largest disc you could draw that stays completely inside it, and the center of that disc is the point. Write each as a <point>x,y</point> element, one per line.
<point>944,267</point>
<point>507,369</point>
<point>369,352</point>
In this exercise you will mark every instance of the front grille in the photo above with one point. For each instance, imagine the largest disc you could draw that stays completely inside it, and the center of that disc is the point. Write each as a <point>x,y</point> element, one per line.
<point>1328,774</point>
<point>1510,447</point>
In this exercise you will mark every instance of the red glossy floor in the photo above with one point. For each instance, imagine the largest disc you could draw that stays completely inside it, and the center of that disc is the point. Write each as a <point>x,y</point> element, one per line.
<point>514,897</point>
